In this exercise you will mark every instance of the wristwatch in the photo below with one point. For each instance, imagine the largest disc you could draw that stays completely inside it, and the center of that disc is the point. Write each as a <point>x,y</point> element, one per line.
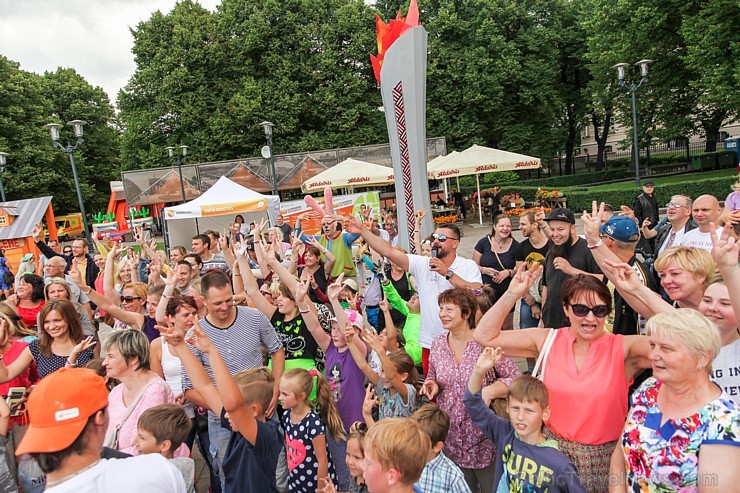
<point>449,274</point>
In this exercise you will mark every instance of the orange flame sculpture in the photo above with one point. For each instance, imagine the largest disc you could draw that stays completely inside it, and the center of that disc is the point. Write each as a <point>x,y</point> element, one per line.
<point>388,33</point>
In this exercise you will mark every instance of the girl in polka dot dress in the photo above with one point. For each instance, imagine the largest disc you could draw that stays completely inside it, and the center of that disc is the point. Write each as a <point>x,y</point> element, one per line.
<point>306,429</point>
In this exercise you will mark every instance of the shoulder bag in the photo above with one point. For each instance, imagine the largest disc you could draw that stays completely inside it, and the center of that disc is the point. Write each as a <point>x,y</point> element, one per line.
<point>539,367</point>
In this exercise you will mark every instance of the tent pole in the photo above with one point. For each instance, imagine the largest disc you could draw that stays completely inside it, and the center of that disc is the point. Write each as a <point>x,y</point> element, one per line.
<point>457,182</point>
<point>444,186</point>
<point>480,207</point>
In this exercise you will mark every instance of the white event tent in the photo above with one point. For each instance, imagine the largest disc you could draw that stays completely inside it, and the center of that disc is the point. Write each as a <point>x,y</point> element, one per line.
<point>216,208</point>
<point>477,160</point>
<point>348,174</point>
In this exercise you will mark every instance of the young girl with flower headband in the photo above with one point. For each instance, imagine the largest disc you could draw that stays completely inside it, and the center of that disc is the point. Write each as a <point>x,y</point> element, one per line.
<point>306,429</point>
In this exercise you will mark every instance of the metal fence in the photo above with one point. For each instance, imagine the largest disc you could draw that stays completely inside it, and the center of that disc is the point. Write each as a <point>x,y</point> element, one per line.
<point>676,153</point>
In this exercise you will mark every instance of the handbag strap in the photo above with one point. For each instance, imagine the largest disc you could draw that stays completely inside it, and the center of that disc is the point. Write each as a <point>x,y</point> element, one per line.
<point>501,264</point>
<point>539,367</point>
<point>130,408</point>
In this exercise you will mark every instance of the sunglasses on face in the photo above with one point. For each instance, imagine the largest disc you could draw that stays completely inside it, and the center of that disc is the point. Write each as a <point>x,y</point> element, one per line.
<point>130,299</point>
<point>599,311</point>
<point>67,252</point>
<point>441,237</point>
<point>674,204</point>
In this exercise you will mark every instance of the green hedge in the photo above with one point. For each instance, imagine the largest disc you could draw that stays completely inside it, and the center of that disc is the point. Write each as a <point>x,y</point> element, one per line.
<point>580,198</point>
<point>577,179</point>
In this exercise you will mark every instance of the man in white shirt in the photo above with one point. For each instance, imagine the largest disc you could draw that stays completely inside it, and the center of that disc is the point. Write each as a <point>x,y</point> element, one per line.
<point>706,210</point>
<point>69,414</point>
<point>434,275</point>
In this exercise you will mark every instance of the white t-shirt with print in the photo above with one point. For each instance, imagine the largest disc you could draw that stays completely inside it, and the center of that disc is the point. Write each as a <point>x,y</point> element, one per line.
<point>697,239</point>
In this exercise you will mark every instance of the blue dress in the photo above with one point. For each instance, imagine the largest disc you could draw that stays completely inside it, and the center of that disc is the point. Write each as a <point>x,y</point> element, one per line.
<point>3,269</point>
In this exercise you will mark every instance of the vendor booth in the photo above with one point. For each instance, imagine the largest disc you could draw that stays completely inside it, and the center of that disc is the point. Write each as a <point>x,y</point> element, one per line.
<point>350,173</point>
<point>477,160</point>
<point>17,220</point>
<point>215,209</point>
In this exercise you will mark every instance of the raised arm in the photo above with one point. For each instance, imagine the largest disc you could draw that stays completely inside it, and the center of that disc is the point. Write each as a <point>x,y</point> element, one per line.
<point>390,328</point>
<point>225,249</point>
<point>169,291</point>
<point>268,253</point>
<point>359,356</point>
<point>373,341</point>
<point>524,343</point>
<point>311,319</point>
<point>231,397</point>
<point>725,251</point>
<point>330,258</point>
<point>18,366</point>
<point>198,377</point>
<point>109,285</point>
<point>353,225</point>
<point>104,303</point>
<point>253,290</point>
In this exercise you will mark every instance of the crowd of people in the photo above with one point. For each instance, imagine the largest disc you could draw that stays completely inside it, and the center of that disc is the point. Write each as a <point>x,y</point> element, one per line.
<point>339,362</point>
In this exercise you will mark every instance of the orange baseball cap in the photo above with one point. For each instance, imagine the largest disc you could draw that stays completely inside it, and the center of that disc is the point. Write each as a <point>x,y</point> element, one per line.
<point>59,408</point>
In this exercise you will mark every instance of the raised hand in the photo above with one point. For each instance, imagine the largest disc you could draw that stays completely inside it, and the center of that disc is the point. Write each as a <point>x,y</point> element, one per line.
<point>524,279</point>
<point>268,251</point>
<point>326,486</point>
<point>199,339</point>
<point>371,338</point>
<point>333,290</point>
<point>171,276</point>
<point>370,401</point>
<point>84,344</point>
<point>75,274</point>
<point>384,305</point>
<point>37,231</point>
<point>488,359</point>
<point>171,335</point>
<point>622,275</point>
<point>725,249</point>
<point>223,240</point>
<point>592,222</point>
<point>349,333</point>
<point>430,388</point>
<point>301,291</point>
<point>353,225</point>
<point>627,211</point>
<point>563,265</point>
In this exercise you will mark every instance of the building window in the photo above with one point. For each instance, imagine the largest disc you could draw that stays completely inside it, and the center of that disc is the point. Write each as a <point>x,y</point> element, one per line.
<point>608,149</point>
<point>3,220</point>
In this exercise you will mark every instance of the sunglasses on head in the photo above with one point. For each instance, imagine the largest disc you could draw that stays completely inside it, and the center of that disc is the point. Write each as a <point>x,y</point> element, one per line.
<point>129,299</point>
<point>599,311</point>
<point>441,237</point>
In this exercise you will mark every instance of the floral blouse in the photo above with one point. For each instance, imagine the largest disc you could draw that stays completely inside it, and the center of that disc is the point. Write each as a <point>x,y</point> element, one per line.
<point>666,458</point>
<point>465,444</point>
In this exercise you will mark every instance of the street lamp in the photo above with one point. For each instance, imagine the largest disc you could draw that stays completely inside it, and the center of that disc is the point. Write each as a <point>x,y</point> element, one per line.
<point>70,150</point>
<point>2,171</point>
<point>267,126</point>
<point>178,161</point>
<point>632,88</point>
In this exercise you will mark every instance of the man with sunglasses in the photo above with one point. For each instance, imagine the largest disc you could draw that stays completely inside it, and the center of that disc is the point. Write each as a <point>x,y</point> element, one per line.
<point>338,241</point>
<point>679,223</point>
<point>433,275</point>
<point>568,256</point>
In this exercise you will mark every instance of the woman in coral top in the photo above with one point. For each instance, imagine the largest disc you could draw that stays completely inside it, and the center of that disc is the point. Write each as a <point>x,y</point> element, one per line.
<point>587,372</point>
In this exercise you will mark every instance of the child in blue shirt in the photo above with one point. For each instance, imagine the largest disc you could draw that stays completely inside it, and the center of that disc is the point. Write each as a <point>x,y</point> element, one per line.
<point>527,461</point>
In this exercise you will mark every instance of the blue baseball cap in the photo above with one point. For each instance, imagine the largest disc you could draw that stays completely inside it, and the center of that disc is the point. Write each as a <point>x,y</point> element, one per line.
<point>621,228</point>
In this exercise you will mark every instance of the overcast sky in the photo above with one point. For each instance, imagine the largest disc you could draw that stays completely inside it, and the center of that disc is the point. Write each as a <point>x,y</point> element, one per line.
<point>91,36</point>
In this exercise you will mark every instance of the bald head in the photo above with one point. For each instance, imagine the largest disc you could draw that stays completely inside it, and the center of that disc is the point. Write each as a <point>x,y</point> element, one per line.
<point>706,210</point>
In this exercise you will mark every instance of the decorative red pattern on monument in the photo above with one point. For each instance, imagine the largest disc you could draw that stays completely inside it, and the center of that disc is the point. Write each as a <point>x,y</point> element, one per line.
<point>400,113</point>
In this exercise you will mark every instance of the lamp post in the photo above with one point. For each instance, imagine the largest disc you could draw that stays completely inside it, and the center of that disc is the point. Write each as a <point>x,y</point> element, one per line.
<point>178,161</point>
<point>3,161</point>
<point>267,127</point>
<point>70,150</point>
<point>632,87</point>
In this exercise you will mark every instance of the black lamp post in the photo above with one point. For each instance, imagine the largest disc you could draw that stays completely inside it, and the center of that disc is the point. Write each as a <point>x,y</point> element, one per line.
<point>70,150</point>
<point>178,161</point>
<point>3,161</point>
<point>632,88</point>
<point>267,126</point>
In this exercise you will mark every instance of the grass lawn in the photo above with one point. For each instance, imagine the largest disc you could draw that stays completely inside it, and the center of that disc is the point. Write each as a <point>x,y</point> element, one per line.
<point>627,185</point>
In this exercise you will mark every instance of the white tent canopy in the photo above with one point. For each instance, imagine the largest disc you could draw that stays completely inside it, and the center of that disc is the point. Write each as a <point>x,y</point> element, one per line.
<point>350,173</point>
<point>216,208</point>
<point>478,159</point>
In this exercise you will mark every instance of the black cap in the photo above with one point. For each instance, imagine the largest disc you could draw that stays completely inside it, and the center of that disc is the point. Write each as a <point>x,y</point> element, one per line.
<point>562,214</point>
<point>648,184</point>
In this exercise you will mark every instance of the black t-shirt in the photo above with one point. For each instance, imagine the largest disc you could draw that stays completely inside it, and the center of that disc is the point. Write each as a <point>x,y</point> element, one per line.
<point>286,229</point>
<point>490,259</point>
<point>321,283</point>
<point>581,258</point>
<point>295,337</point>
<point>625,320</point>
<point>403,287</point>
<point>528,253</point>
<point>250,467</point>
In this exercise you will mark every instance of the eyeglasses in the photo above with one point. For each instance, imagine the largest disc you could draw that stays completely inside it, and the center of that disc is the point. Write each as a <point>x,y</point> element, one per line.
<point>441,237</point>
<point>130,299</point>
<point>674,204</point>
<point>599,311</point>
<point>67,252</point>
<point>266,293</point>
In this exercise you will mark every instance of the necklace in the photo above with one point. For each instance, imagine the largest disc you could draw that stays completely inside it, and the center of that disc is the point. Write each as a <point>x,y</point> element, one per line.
<point>66,478</point>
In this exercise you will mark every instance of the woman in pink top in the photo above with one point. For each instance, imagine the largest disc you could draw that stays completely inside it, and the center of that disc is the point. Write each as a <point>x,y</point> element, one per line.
<point>588,371</point>
<point>127,360</point>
